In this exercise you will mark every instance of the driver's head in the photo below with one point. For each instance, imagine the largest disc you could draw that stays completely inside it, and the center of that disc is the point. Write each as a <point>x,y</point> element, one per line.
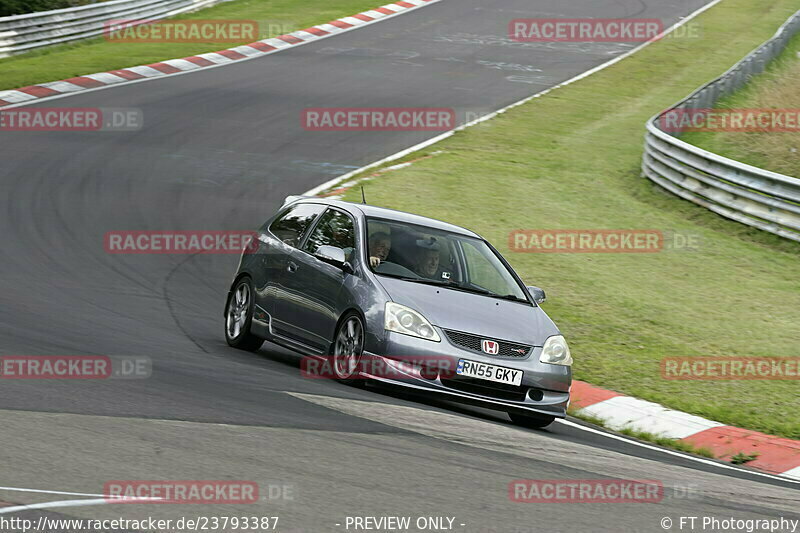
<point>428,262</point>
<point>379,245</point>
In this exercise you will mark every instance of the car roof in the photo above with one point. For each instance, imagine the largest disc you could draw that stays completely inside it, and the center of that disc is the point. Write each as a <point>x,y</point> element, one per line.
<point>385,213</point>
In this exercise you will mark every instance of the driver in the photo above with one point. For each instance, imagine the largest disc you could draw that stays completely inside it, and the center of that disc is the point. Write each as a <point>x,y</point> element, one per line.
<point>380,244</point>
<point>427,259</point>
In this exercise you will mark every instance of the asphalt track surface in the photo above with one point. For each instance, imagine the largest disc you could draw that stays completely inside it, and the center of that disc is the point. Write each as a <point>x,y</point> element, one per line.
<point>220,149</point>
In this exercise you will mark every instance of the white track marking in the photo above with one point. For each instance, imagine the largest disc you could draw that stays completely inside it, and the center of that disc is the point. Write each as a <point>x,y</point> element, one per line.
<point>301,34</point>
<point>351,20</point>
<point>330,28</point>
<point>216,58</point>
<point>277,43</point>
<point>781,477</point>
<point>144,70</point>
<point>71,503</point>
<point>181,64</point>
<point>627,412</point>
<point>97,499</point>
<point>16,96</point>
<point>104,77</point>
<point>328,184</point>
<point>248,51</point>
<point>392,7</point>
<point>794,473</point>
<point>373,14</point>
<point>42,491</point>
<point>21,99</point>
<point>50,505</point>
<point>61,86</point>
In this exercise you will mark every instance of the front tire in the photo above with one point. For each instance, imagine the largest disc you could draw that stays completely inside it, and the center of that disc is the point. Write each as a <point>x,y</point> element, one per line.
<point>347,348</point>
<point>239,316</point>
<point>531,421</point>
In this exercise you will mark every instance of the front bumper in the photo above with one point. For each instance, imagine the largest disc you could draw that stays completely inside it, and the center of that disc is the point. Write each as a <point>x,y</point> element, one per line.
<point>417,367</point>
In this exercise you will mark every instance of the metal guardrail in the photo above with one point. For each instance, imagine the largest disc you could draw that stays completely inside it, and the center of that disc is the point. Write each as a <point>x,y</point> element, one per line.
<point>21,33</point>
<point>766,200</point>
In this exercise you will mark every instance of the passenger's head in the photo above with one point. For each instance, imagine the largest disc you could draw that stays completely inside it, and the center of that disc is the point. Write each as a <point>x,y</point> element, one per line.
<point>379,245</point>
<point>428,263</point>
<point>427,260</point>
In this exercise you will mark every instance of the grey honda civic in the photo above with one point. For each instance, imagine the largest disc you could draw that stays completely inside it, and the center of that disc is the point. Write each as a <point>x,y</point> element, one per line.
<point>377,294</point>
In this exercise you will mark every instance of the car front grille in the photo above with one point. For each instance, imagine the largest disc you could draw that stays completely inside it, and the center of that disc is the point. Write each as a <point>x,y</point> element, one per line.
<point>473,342</point>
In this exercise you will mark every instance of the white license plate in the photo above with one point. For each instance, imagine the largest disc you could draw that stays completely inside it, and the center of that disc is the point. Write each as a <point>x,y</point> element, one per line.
<point>499,374</point>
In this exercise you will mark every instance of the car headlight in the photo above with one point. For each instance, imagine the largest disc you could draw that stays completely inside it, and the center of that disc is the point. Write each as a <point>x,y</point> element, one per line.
<point>402,319</point>
<point>556,351</point>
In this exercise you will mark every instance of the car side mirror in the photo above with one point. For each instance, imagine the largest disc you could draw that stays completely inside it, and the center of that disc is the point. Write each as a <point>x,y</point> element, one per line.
<point>537,293</point>
<point>333,256</point>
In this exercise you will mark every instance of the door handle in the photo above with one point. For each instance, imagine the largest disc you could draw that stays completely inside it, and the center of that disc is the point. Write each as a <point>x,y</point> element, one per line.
<point>292,266</point>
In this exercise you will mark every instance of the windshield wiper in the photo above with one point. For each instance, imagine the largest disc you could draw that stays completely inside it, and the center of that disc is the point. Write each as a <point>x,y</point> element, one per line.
<point>476,290</point>
<point>456,287</point>
<point>423,280</point>
<point>511,297</point>
<point>486,292</point>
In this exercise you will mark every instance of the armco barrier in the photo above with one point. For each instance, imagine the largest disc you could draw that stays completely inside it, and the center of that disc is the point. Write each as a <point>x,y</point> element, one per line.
<point>20,33</point>
<point>766,200</point>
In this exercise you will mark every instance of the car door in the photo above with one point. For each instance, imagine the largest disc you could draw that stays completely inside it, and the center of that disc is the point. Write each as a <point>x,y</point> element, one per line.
<point>314,287</point>
<point>276,241</point>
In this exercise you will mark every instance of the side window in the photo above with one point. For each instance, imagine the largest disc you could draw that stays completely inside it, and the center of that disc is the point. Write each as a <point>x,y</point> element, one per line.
<point>481,271</point>
<point>290,227</point>
<point>334,229</point>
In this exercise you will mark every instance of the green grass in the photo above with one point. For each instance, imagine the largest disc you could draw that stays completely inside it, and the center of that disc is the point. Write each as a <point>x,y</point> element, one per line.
<point>775,88</point>
<point>571,159</point>
<point>275,17</point>
<point>742,458</point>
<point>675,444</point>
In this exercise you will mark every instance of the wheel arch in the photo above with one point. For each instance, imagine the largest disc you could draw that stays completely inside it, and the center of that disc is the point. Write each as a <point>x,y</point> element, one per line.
<point>346,312</point>
<point>236,280</point>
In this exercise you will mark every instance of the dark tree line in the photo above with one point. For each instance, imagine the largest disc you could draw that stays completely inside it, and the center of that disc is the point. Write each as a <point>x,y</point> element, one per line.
<point>18,7</point>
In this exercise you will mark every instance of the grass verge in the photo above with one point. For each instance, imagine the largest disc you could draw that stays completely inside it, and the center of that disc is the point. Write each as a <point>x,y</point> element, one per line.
<point>571,159</point>
<point>275,17</point>
<point>776,88</point>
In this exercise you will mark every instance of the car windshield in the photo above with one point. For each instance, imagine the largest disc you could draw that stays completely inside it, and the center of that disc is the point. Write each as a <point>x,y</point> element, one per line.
<point>426,255</point>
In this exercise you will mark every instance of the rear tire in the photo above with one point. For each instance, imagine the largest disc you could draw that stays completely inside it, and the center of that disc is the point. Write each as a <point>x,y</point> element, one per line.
<point>531,421</point>
<point>239,316</point>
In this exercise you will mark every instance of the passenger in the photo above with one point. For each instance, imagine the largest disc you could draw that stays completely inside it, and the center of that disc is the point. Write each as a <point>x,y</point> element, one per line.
<point>427,259</point>
<point>380,244</point>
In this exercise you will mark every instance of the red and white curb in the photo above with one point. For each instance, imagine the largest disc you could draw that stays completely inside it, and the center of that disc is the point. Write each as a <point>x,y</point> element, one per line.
<point>212,59</point>
<point>775,455</point>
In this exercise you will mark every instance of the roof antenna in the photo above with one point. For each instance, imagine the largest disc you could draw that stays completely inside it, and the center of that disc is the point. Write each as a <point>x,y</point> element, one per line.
<point>363,198</point>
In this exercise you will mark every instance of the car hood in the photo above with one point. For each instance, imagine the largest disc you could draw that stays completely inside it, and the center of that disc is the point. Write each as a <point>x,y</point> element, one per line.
<point>473,313</point>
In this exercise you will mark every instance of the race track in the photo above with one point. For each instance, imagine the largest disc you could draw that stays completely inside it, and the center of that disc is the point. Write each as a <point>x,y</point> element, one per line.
<point>220,149</point>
